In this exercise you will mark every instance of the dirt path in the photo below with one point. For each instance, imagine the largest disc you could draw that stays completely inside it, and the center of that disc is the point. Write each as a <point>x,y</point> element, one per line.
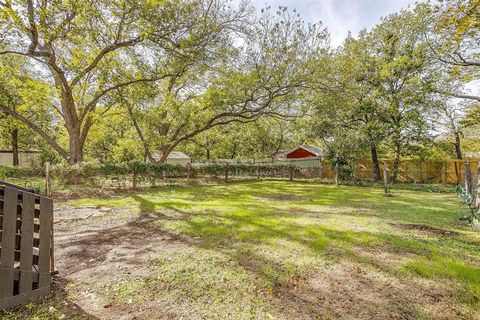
<point>97,248</point>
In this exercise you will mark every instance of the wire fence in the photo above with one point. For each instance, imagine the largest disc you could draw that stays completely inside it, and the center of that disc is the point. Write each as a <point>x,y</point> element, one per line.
<point>141,174</point>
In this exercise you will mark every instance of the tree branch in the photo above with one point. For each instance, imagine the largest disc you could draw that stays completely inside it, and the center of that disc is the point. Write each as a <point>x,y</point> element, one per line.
<point>22,54</point>
<point>37,129</point>
<point>140,133</point>
<point>115,46</point>
<point>91,105</point>
<point>459,95</point>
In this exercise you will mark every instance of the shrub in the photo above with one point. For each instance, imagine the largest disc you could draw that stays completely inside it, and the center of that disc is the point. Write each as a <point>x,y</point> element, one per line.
<point>18,172</point>
<point>91,171</point>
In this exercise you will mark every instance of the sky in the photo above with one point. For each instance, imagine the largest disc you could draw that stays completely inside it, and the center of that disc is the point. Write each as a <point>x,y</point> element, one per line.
<point>340,16</point>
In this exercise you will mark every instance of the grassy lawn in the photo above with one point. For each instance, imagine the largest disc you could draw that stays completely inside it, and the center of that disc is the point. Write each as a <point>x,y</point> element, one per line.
<point>281,250</point>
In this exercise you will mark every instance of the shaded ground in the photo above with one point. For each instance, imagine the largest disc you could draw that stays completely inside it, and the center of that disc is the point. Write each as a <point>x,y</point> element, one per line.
<point>263,250</point>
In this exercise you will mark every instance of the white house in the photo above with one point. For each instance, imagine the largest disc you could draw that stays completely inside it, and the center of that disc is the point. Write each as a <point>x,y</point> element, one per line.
<point>175,157</point>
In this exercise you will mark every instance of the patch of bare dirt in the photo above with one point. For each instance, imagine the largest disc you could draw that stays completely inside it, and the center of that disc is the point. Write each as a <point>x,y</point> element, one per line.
<point>426,229</point>
<point>99,247</point>
<point>104,193</point>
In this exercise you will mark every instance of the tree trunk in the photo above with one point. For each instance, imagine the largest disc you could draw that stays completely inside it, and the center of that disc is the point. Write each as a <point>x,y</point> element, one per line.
<point>15,147</point>
<point>165,153</point>
<point>75,146</point>
<point>458,149</point>
<point>376,164</point>
<point>234,152</point>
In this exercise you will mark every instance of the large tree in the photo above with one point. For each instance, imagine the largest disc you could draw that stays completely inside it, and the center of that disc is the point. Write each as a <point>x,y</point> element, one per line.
<point>259,72</point>
<point>86,51</point>
<point>359,97</point>
<point>396,69</point>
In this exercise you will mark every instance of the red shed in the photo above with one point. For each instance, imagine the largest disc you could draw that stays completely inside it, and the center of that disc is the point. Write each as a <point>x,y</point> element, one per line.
<point>304,152</point>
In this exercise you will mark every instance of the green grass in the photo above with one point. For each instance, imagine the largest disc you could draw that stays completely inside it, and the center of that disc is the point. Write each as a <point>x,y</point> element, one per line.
<point>247,250</point>
<point>283,231</point>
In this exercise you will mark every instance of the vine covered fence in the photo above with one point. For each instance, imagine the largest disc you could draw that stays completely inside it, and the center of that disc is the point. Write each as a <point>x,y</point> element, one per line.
<point>141,173</point>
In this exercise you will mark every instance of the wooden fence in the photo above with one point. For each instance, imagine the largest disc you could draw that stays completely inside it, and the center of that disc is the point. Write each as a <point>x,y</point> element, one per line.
<point>448,171</point>
<point>413,171</point>
<point>25,245</point>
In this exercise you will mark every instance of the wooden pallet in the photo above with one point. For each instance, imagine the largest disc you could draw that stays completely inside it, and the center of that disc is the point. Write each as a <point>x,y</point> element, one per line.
<point>25,245</point>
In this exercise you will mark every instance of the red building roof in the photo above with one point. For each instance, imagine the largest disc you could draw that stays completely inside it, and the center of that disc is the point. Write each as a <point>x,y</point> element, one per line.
<point>304,152</point>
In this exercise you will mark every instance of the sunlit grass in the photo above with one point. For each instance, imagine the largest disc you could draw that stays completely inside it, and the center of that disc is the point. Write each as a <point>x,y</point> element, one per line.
<point>260,236</point>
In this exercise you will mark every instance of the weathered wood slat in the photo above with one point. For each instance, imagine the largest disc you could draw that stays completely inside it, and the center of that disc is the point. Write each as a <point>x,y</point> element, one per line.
<point>34,275</point>
<point>37,212</point>
<point>36,226</point>
<point>2,188</point>
<point>7,184</point>
<point>46,209</point>
<point>27,242</point>
<point>17,256</point>
<point>7,256</point>
<point>23,298</point>
<point>18,238</point>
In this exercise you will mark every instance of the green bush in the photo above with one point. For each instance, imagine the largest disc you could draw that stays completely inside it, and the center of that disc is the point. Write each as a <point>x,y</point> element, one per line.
<point>273,170</point>
<point>92,171</point>
<point>18,172</point>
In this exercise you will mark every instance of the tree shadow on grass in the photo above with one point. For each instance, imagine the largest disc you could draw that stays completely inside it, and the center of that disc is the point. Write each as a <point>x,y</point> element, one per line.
<point>309,196</point>
<point>237,236</point>
<point>222,233</point>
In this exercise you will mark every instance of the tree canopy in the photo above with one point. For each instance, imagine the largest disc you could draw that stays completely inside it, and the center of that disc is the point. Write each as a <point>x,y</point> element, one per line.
<point>120,80</point>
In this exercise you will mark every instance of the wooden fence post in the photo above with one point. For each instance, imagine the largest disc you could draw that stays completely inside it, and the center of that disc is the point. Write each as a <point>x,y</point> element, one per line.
<point>320,168</point>
<point>135,180</point>
<point>48,190</point>
<point>258,172</point>
<point>226,171</point>
<point>468,178</point>
<point>189,171</point>
<point>385,178</point>
<point>337,169</point>
<point>291,172</point>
